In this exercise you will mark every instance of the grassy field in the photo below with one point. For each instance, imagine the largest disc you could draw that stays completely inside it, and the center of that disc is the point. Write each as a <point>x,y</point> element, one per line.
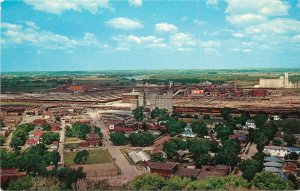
<point>96,156</point>
<point>72,140</point>
<point>16,103</point>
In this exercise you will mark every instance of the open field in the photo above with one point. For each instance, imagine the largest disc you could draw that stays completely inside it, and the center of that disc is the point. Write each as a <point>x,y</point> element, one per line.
<point>96,156</point>
<point>72,140</point>
<point>16,103</point>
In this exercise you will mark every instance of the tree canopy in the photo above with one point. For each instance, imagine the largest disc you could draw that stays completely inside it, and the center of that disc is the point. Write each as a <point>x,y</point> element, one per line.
<point>118,138</point>
<point>81,157</point>
<point>268,181</point>
<point>141,139</point>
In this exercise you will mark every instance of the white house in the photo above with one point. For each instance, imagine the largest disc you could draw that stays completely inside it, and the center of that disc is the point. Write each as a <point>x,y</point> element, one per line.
<point>188,133</point>
<point>250,124</point>
<point>278,151</point>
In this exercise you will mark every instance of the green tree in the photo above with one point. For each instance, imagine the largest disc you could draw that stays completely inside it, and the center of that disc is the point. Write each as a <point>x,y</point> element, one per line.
<point>47,127</point>
<point>200,128</point>
<point>99,132</point>
<point>118,138</point>
<point>293,156</point>
<point>49,137</point>
<point>158,113</point>
<point>175,126</point>
<point>170,149</point>
<point>8,159</point>
<point>206,117</point>
<point>231,182</point>
<point>260,120</point>
<point>290,139</point>
<point>177,183</point>
<point>228,154</point>
<point>67,176</point>
<point>81,157</point>
<point>157,157</point>
<point>277,142</point>
<point>138,113</point>
<point>80,130</point>
<point>250,167</point>
<point>23,183</point>
<point>69,132</point>
<point>268,181</point>
<point>52,158</point>
<point>223,132</point>
<point>293,179</point>
<point>142,139</point>
<point>225,112</point>
<point>2,139</point>
<point>147,182</point>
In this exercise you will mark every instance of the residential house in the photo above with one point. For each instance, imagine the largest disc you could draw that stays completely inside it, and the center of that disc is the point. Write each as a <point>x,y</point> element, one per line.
<point>188,132</point>
<point>188,172</point>
<point>138,157</point>
<point>55,126</point>
<point>162,169</point>
<point>35,136</point>
<point>250,124</point>
<point>279,151</point>
<point>218,170</point>
<point>39,122</point>
<point>124,128</point>
<point>54,146</point>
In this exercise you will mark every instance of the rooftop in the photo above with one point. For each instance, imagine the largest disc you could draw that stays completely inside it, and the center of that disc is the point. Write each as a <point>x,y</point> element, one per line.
<point>161,166</point>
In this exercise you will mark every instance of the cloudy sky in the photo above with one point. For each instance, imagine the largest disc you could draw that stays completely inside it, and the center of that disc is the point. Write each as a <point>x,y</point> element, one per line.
<point>136,34</point>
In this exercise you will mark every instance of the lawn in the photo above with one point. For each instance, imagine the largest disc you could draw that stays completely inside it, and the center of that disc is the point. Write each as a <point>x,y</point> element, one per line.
<point>96,156</point>
<point>72,140</point>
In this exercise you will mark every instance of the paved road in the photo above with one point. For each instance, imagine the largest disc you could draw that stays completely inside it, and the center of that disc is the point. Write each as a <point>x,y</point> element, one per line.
<point>62,141</point>
<point>249,152</point>
<point>128,171</point>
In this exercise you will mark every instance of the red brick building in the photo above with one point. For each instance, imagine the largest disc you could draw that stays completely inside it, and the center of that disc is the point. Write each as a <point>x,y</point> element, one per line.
<point>123,128</point>
<point>162,169</point>
<point>259,93</point>
<point>39,122</point>
<point>92,140</point>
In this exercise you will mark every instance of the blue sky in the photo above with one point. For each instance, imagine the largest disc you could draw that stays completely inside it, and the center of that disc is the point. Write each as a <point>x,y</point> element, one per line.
<point>55,35</point>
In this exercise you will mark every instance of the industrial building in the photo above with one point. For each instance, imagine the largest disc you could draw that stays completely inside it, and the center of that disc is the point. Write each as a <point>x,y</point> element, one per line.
<point>150,100</point>
<point>281,82</point>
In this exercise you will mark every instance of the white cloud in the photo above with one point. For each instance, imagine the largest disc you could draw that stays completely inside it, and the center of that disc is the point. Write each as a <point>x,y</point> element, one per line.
<point>247,50</point>
<point>262,7</point>
<point>90,39</point>
<point>238,35</point>
<point>275,26</point>
<point>246,19</point>
<point>212,3</point>
<point>32,25</point>
<point>59,6</point>
<point>132,41</point>
<point>124,23</point>
<point>182,39</point>
<point>211,44</point>
<point>30,35</point>
<point>135,3</point>
<point>165,27</point>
